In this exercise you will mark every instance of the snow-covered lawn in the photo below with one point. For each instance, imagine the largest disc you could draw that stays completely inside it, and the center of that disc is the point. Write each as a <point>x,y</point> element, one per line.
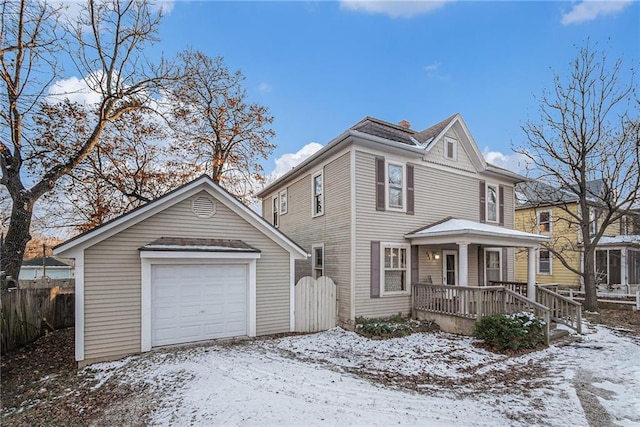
<point>340,378</point>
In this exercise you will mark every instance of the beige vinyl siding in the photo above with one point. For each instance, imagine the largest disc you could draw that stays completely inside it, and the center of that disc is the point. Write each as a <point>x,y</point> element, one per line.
<point>438,194</point>
<point>113,283</point>
<point>463,161</point>
<point>333,228</point>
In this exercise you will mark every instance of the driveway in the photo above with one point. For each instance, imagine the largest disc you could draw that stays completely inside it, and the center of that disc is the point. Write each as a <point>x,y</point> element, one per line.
<point>331,378</point>
<point>340,378</point>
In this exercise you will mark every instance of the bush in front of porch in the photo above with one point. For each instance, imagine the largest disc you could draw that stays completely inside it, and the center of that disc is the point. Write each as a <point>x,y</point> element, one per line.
<point>392,327</point>
<point>515,331</point>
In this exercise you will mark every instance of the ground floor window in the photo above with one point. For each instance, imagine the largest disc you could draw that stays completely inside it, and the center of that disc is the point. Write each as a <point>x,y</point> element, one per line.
<point>318,260</point>
<point>608,267</point>
<point>493,270</point>
<point>544,261</point>
<point>394,268</point>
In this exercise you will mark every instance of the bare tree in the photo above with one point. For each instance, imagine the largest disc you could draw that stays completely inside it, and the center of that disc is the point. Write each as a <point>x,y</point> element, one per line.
<point>218,130</point>
<point>129,167</point>
<point>106,44</point>
<point>587,132</point>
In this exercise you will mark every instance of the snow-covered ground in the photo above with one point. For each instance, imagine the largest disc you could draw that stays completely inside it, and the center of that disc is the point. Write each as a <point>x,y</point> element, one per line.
<point>340,378</point>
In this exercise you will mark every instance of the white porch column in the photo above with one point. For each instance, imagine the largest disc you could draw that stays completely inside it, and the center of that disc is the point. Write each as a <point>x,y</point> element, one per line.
<point>531,275</point>
<point>463,263</point>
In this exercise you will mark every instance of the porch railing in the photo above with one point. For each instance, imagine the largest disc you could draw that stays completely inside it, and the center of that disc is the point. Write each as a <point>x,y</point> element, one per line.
<point>473,302</point>
<point>517,287</point>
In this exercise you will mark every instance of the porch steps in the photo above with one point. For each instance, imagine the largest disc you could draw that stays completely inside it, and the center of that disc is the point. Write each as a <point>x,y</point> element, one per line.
<point>557,334</point>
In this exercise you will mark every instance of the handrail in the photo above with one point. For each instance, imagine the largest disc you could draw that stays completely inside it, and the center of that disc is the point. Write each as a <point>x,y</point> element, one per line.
<point>563,310</point>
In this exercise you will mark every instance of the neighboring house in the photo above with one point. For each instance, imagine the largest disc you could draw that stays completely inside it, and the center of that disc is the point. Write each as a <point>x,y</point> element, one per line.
<point>195,264</point>
<point>51,267</point>
<point>542,209</point>
<point>383,206</point>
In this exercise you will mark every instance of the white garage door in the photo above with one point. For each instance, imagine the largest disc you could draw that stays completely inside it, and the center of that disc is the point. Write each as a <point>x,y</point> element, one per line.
<point>197,302</point>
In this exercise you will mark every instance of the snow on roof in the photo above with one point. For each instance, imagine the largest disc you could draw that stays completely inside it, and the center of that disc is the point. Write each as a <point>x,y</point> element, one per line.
<point>631,239</point>
<point>454,226</point>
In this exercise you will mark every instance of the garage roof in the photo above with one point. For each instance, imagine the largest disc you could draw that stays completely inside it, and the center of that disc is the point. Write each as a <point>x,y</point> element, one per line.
<point>198,245</point>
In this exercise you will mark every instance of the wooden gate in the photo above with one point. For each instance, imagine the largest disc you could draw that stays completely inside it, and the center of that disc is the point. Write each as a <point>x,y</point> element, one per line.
<point>316,304</point>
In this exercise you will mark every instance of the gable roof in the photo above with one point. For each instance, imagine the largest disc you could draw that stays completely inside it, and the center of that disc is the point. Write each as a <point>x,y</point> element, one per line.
<point>390,136</point>
<point>108,229</point>
<point>536,193</point>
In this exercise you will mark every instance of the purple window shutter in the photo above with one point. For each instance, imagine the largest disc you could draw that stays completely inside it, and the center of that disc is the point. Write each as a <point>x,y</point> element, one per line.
<point>501,204</point>
<point>483,202</point>
<point>380,184</point>
<point>505,265</point>
<point>375,269</point>
<point>415,272</point>
<point>410,200</point>
<point>481,266</point>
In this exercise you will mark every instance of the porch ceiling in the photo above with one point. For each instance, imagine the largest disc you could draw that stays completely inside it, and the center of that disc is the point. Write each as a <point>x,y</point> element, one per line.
<point>453,230</point>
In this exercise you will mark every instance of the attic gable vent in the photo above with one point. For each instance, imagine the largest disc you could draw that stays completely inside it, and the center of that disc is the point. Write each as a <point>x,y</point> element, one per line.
<point>203,207</point>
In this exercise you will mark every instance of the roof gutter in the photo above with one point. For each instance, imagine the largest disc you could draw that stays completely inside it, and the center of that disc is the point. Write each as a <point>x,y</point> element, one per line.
<point>330,146</point>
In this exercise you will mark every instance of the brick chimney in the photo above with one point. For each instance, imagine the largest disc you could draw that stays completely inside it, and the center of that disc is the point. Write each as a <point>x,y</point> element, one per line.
<point>404,124</point>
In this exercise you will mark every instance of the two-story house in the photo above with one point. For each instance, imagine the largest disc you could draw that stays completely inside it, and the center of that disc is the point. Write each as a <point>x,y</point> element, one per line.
<point>383,206</point>
<point>553,212</point>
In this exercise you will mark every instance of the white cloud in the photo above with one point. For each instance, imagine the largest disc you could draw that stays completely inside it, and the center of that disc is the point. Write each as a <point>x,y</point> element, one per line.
<point>265,87</point>
<point>75,89</point>
<point>433,67</point>
<point>514,162</point>
<point>288,161</point>
<point>589,10</point>
<point>395,9</point>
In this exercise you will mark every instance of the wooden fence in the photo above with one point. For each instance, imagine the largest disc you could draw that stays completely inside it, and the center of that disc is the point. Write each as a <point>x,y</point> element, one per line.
<point>316,304</point>
<point>27,314</point>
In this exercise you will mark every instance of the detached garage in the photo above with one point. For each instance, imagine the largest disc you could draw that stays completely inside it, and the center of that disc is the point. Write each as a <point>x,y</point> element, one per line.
<point>193,265</point>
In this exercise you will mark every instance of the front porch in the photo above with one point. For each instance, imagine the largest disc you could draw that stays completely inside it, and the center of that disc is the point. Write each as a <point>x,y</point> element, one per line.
<point>472,264</point>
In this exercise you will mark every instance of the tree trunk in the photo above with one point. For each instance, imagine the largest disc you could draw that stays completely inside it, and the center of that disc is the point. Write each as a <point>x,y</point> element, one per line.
<point>17,236</point>
<point>589,277</point>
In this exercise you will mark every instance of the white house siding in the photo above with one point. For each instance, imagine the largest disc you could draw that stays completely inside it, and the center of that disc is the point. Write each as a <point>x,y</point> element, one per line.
<point>438,194</point>
<point>332,228</point>
<point>113,284</point>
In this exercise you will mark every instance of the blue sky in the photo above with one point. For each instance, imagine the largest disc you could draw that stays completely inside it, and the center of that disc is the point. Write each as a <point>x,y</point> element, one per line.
<point>322,66</point>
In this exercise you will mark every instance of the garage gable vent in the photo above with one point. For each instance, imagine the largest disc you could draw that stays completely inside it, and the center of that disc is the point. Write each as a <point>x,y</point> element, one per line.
<point>203,207</point>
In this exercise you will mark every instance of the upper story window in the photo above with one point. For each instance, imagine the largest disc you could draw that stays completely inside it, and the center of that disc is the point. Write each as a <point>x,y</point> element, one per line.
<point>395,186</point>
<point>317,252</point>
<point>450,148</point>
<point>274,206</point>
<point>492,203</point>
<point>317,194</point>
<point>283,202</point>
<point>544,222</point>
<point>394,268</point>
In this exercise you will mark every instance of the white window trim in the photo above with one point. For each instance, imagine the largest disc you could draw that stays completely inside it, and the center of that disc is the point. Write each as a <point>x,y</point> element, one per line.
<point>383,246</point>
<point>593,225</point>
<point>486,195</point>
<point>538,262</point>
<point>282,194</point>
<point>404,186</point>
<point>446,141</point>
<point>550,221</point>
<point>313,259</point>
<point>275,211</point>
<point>499,251</point>
<point>314,214</point>
<point>149,258</point>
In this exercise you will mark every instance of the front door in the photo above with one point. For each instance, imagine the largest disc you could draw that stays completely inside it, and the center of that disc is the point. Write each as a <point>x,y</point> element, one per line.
<point>450,267</point>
